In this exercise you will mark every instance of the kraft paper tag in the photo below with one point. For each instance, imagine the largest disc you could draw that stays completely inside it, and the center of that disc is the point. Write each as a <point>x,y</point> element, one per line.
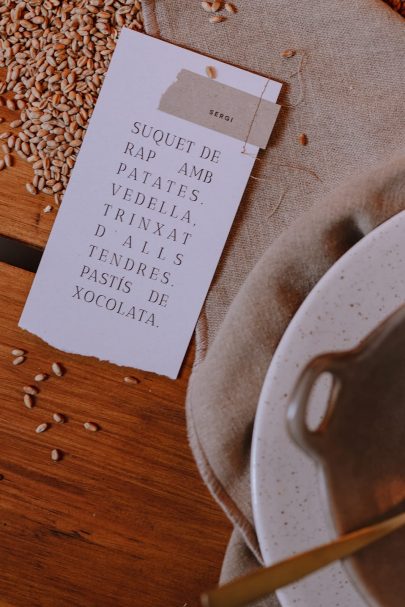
<point>148,207</point>
<point>220,107</point>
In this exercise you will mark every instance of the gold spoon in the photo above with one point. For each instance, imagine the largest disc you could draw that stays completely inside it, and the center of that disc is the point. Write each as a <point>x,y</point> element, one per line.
<point>262,582</point>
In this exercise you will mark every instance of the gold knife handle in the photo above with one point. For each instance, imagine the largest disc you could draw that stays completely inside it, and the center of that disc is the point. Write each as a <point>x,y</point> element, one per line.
<point>262,582</point>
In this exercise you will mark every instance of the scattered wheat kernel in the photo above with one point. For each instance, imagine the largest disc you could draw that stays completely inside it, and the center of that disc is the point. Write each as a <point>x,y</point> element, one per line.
<point>17,352</point>
<point>131,380</point>
<point>216,6</point>
<point>211,72</point>
<point>206,6</point>
<point>41,428</point>
<point>59,418</point>
<point>19,360</point>
<point>90,426</point>
<point>8,160</point>
<point>47,209</point>
<point>31,189</point>
<point>57,369</point>
<point>28,401</point>
<point>303,139</point>
<point>216,19</point>
<point>289,52</point>
<point>56,455</point>
<point>41,377</point>
<point>31,390</point>
<point>230,8</point>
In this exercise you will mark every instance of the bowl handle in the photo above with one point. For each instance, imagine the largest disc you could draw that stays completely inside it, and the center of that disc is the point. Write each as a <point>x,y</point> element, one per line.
<point>311,440</point>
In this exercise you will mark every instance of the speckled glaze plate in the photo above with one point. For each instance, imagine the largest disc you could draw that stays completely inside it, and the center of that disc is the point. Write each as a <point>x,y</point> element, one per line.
<point>353,297</point>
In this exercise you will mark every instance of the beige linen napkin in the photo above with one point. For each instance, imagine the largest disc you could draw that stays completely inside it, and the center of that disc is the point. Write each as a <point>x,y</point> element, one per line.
<point>225,387</point>
<point>344,88</point>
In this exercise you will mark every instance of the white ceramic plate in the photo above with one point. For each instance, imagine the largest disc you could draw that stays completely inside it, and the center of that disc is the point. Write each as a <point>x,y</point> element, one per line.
<point>355,295</point>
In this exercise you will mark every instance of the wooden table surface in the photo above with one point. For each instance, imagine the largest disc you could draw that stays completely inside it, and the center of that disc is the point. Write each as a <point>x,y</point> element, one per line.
<point>123,519</point>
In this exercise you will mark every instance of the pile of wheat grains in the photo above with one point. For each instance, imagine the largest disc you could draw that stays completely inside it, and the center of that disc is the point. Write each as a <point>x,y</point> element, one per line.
<point>55,54</point>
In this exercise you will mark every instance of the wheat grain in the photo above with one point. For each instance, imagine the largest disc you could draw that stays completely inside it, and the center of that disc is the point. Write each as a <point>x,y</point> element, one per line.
<point>91,426</point>
<point>230,8</point>
<point>28,401</point>
<point>41,377</point>
<point>56,455</point>
<point>30,187</point>
<point>19,360</point>
<point>217,19</point>
<point>31,390</point>
<point>207,6</point>
<point>211,72</point>
<point>303,139</point>
<point>129,379</point>
<point>56,55</point>
<point>57,369</point>
<point>288,53</point>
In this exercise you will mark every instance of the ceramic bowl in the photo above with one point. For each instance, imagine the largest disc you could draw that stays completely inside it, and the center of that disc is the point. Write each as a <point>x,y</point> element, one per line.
<point>360,448</point>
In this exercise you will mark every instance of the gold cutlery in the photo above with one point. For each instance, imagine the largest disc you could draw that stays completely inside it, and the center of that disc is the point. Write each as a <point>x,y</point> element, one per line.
<point>262,582</point>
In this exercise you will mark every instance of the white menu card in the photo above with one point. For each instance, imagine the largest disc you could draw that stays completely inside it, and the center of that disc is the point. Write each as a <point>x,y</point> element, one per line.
<point>149,205</point>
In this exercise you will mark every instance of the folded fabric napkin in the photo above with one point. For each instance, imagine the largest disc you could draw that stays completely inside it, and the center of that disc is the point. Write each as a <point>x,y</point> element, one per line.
<point>344,89</point>
<point>225,387</point>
